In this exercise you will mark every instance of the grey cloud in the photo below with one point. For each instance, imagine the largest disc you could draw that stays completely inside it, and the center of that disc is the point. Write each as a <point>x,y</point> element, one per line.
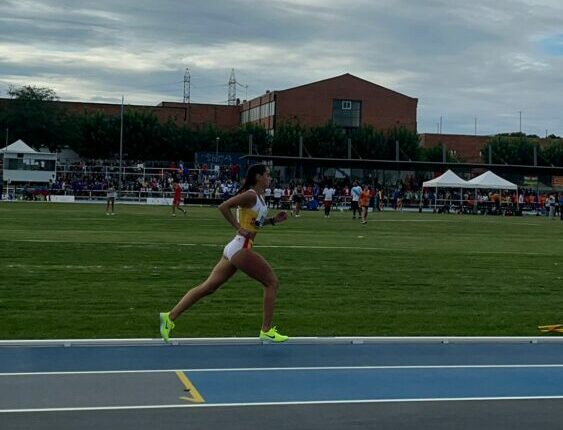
<point>461,59</point>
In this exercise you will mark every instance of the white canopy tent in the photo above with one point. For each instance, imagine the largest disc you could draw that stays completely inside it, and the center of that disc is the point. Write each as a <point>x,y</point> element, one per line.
<point>446,180</point>
<point>489,180</point>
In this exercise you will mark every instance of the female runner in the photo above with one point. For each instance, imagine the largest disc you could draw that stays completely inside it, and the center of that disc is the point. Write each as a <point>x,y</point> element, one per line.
<point>251,215</point>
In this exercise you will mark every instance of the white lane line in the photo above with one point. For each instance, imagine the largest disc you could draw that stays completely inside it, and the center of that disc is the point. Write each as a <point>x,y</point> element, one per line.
<point>221,245</point>
<point>290,369</point>
<point>314,402</point>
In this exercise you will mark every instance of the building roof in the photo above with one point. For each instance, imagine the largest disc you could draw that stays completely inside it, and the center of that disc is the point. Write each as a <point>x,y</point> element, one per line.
<point>347,75</point>
<point>19,146</point>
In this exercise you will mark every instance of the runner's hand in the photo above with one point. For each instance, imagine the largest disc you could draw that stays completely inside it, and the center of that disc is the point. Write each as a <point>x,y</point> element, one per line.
<point>281,216</point>
<point>244,233</point>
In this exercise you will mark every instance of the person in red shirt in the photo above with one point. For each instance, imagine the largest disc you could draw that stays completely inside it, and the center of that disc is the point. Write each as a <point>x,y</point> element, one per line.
<point>177,199</point>
<point>364,204</point>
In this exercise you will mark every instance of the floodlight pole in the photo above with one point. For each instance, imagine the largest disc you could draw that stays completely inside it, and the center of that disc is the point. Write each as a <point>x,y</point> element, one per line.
<point>121,147</point>
<point>4,161</point>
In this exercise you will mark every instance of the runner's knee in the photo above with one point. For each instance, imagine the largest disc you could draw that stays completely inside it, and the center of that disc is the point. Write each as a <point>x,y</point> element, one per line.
<point>271,282</point>
<point>209,287</point>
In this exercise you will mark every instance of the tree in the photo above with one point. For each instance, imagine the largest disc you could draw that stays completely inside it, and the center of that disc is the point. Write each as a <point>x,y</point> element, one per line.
<point>142,136</point>
<point>30,93</point>
<point>32,116</point>
<point>435,154</point>
<point>98,135</point>
<point>328,141</point>
<point>409,144</point>
<point>286,139</point>
<point>237,141</point>
<point>509,150</point>
<point>553,153</point>
<point>368,142</point>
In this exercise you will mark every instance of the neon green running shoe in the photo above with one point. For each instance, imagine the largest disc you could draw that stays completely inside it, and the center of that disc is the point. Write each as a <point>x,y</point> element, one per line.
<point>166,326</point>
<point>272,335</point>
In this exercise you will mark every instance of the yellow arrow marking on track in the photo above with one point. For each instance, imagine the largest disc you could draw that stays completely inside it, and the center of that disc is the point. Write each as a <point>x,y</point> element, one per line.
<point>190,388</point>
<point>551,328</point>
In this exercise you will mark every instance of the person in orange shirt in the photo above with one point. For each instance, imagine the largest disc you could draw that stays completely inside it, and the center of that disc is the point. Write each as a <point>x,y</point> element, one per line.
<point>364,203</point>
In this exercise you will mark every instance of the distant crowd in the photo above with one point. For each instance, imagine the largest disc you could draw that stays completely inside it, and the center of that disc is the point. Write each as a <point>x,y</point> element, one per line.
<point>220,182</point>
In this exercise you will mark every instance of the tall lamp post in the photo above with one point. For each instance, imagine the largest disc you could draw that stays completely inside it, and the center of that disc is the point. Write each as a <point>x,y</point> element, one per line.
<point>121,148</point>
<point>217,139</point>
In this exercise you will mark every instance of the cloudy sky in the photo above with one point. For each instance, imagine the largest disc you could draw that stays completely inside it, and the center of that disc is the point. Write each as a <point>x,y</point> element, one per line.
<point>463,60</point>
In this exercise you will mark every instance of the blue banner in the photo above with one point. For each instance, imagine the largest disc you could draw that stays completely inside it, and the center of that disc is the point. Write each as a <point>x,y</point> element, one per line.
<point>220,159</point>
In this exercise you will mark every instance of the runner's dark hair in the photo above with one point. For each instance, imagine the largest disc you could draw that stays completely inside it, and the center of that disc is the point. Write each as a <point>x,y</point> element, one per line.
<point>250,179</point>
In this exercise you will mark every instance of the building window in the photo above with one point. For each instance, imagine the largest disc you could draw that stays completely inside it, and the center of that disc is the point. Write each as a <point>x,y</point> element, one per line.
<point>258,112</point>
<point>346,113</point>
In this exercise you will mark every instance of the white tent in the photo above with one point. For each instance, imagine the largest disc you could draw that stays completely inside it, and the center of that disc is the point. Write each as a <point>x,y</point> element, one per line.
<point>490,180</point>
<point>446,180</point>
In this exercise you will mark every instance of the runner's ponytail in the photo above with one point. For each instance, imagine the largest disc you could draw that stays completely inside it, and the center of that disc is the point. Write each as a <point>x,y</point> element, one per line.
<point>250,179</point>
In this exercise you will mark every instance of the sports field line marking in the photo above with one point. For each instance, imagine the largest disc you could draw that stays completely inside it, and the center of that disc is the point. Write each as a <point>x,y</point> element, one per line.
<point>215,245</point>
<point>290,369</point>
<point>313,402</point>
<point>189,387</point>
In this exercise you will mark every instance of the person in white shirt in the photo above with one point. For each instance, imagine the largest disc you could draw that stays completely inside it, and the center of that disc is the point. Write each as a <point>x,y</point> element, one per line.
<point>277,196</point>
<point>268,196</point>
<point>328,194</point>
<point>356,191</point>
<point>111,195</point>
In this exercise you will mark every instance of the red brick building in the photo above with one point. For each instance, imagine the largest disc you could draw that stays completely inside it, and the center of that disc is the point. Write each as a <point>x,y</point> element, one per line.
<point>346,100</point>
<point>193,114</point>
<point>464,147</point>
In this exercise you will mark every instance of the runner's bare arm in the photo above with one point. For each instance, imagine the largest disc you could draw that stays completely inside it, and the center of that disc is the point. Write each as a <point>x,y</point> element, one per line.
<point>245,200</point>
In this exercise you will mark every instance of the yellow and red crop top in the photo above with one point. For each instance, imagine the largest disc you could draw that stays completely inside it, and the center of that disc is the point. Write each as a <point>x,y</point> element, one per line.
<point>251,219</point>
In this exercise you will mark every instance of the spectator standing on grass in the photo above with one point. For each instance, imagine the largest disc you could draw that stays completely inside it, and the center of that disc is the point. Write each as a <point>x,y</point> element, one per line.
<point>552,202</point>
<point>177,199</point>
<point>268,196</point>
<point>561,206</point>
<point>111,195</point>
<point>297,198</point>
<point>365,196</point>
<point>356,191</point>
<point>328,194</point>
<point>380,198</point>
<point>399,205</point>
<point>277,196</point>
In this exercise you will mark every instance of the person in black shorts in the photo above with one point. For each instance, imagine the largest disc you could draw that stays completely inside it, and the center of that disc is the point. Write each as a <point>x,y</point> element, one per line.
<point>297,198</point>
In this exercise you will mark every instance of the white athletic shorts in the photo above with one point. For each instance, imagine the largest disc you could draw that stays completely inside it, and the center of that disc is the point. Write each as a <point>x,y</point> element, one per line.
<point>235,245</point>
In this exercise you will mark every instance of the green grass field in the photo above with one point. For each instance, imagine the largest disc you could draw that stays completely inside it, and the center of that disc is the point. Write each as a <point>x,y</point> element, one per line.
<point>70,271</point>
